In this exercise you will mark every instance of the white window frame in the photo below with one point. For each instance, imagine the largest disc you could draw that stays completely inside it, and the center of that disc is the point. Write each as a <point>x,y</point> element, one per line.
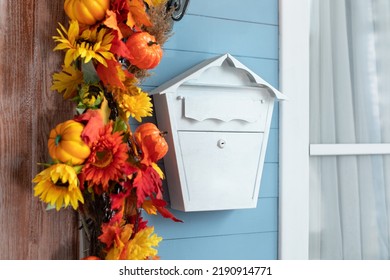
<point>294,24</point>
<point>295,148</point>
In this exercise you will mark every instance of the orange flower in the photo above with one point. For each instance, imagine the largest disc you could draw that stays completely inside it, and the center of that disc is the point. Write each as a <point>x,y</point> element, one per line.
<point>107,159</point>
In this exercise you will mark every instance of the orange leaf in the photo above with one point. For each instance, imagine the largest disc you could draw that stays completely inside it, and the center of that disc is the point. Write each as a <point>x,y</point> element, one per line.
<point>160,206</point>
<point>112,23</point>
<point>118,216</point>
<point>119,48</point>
<point>125,29</point>
<point>137,14</point>
<point>109,234</point>
<point>91,258</point>
<point>148,184</point>
<point>121,8</point>
<point>112,74</point>
<point>118,200</point>
<point>94,121</point>
<point>138,220</point>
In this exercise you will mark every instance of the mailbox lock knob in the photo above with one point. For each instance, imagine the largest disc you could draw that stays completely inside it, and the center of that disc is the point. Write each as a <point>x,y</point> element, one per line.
<point>221,143</point>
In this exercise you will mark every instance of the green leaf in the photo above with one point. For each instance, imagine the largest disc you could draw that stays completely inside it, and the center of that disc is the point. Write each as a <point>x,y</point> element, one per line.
<point>80,110</point>
<point>46,165</point>
<point>78,168</point>
<point>119,125</point>
<point>89,73</point>
<point>50,207</point>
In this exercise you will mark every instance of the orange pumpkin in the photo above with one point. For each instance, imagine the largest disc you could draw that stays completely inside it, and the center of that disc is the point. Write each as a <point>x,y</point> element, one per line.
<point>86,11</point>
<point>65,143</point>
<point>146,52</point>
<point>152,142</point>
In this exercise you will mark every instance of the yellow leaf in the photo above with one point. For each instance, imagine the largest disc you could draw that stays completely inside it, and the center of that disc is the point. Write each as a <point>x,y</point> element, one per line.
<point>148,206</point>
<point>67,81</point>
<point>152,3</point>
<point>141,247</point>
<point>158,170</point>
<point>105,111</point>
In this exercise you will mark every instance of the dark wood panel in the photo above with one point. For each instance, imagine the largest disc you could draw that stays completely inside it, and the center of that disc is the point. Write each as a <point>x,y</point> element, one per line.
<point>28,111</point>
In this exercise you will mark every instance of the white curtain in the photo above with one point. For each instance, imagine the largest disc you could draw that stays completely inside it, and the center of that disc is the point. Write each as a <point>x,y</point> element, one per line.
<point>350,103</point>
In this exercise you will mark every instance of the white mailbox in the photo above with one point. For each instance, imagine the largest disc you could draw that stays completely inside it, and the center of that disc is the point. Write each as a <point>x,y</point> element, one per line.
<point>217,116</point>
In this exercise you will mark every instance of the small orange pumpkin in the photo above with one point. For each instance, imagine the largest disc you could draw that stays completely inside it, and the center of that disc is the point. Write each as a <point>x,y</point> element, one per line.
<point>146,52</point>
<point>65,143</point>
<point>152,142</point>
<point>86,11</point>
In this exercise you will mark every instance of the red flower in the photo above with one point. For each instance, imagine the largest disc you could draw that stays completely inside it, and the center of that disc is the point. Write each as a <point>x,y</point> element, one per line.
<point>107,159</point>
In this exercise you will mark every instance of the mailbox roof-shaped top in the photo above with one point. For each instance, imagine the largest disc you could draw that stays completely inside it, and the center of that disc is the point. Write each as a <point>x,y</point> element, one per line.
<point>198,72</point>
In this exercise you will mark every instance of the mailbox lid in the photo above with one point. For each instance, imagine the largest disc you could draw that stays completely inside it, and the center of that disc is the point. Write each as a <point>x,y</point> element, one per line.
<point>219,108</point>
<point>222,169</point>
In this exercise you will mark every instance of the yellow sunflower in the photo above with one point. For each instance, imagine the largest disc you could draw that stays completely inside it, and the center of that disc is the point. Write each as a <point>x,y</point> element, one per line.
<point>67,81</point>
<point>58,185</point>
<point>132,101</point>
<point>89,44</point>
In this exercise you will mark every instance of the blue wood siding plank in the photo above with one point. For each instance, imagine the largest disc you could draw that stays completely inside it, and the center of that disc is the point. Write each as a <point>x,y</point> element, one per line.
<point>268,69</point>
<point>256,246</point>
<point>275,116</point>
<point>211,35</point>
<point>264,11</point>
<point>176,62</point>
<point>272,154</point>
<point>270,181</point>
<point>213,223</point>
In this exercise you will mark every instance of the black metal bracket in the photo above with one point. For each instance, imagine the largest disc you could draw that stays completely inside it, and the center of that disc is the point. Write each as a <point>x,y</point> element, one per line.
<point>180,7</point>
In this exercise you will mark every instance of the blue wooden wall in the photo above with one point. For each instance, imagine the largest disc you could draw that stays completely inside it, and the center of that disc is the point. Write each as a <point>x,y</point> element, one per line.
<point>248,30</point>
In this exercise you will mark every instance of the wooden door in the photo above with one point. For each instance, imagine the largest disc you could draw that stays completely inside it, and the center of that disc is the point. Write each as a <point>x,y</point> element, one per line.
<point>28,110</point>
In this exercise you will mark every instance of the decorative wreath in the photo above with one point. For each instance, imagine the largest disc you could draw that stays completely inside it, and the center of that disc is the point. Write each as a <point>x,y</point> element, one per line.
<point>99,166</point>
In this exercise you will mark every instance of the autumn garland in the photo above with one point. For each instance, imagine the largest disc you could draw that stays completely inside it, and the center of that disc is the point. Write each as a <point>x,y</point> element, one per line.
<point>99,166</point>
